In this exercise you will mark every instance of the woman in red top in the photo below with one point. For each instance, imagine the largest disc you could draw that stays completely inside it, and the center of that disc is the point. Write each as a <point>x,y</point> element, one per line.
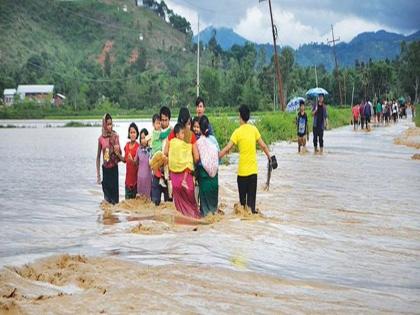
<point>130,151</point>
<point>109,146</point>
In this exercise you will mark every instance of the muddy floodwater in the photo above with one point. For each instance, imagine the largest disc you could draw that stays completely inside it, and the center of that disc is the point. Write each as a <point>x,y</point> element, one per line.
<point>339,232</point>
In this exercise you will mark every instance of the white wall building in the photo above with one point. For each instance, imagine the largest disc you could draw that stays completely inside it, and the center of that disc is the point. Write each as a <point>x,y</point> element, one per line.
<point>35,92</point>
<point>8,95</point>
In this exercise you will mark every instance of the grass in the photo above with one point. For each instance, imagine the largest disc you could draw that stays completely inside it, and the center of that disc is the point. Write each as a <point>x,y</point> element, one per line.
<point>272,126</point>
<point>275,126</point>
<point>8,126</point>
<point>80,124</point>
<point>417,118</point>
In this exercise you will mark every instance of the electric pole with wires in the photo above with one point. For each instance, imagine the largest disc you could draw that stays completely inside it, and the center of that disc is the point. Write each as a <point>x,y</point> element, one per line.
<point>276,59</point>
<point>337,77</point>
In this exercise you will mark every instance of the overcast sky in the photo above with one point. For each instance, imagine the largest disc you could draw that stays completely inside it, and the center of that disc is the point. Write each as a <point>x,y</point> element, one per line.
<point>302,21</point>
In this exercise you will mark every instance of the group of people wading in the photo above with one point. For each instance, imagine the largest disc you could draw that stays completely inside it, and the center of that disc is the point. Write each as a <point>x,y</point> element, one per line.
<point>174,161</point>
<point>382,112</point>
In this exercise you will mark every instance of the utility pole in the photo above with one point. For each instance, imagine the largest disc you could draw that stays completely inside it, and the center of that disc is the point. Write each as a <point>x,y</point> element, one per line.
<point>276,59</point>
<point>333,41</point>
<point>316,77</point>
<point>198,56</point>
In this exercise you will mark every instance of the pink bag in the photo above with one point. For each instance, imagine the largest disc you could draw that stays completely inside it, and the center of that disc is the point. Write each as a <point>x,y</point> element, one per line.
<point>209,155</point>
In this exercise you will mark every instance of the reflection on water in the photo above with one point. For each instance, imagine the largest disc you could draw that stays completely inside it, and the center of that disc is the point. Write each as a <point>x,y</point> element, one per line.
<point>349,217</point>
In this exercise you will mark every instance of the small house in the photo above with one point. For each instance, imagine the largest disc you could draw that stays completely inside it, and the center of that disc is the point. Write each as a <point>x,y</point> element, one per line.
<point>38,93</point>
<point>8,96</point>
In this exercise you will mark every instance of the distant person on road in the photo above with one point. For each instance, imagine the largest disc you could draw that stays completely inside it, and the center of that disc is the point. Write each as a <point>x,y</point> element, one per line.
<point>368,113</point>
<point>378,111</point>
<point>356,113</point>
<point>362,114</point>
<point>394,110</point>
<point>302,126</point>
<point>319,111</point>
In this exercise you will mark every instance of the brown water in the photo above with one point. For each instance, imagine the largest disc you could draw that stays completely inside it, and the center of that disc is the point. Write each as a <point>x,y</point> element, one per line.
<point>343,226</point>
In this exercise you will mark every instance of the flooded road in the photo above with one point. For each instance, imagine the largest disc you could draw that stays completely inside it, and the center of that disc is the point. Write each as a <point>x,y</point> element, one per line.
<point>344,226</point>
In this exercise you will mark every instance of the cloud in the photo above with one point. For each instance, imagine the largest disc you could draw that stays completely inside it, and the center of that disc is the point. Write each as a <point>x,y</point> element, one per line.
<point>302,21</point>
<point>348,28</point>
<point>256,26</point>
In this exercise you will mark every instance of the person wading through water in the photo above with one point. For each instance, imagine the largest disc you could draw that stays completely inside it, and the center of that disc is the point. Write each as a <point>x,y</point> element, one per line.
<point>319,111</point>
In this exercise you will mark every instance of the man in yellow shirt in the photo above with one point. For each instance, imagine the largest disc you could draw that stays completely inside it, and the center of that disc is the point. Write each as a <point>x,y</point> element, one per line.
<point>246,137</point>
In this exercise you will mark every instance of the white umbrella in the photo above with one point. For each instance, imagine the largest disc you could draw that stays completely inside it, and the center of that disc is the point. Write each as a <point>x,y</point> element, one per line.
<point>293,104</point>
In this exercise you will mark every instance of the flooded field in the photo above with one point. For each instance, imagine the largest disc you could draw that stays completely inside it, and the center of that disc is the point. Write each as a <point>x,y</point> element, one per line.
<point>339,232</point>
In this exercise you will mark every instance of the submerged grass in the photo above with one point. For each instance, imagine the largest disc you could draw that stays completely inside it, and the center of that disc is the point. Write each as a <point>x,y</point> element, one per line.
<point>80,124</point>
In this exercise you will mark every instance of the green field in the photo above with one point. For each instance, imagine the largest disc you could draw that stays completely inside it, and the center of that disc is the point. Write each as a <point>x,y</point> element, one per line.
<point>274,126</point>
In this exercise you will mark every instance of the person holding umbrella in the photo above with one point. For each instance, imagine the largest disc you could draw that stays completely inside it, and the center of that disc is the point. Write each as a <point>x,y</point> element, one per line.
<point>319,111</point>
<point>302,126</point>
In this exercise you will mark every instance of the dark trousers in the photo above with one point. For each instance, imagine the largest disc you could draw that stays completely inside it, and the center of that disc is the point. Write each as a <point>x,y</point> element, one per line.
<point>247,186</point>
<point>110,184</point>
<point>394,116</point>
<point>318,135</point>
<point>157,191</point>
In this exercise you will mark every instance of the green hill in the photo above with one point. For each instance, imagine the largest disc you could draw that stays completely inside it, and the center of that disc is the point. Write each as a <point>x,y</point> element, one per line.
<point>109,55</point>
<point>66,43</point>
<point>80,29</point>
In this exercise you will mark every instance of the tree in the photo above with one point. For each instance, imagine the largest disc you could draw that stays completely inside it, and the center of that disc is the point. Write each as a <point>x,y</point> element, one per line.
<point>180,23</point>
<point>161,9</point>
<point>409,72</point>
<point>140,64</point>
<point>232,83</point>
<point>286,61</point>
<point>33,69</point>
<point>380,76</point>
<point>261,59</point>
<point>107,65</point>
<point>266,81</point>
<point>250,94</point>
<point>210,85</point>
<point>215,49</point>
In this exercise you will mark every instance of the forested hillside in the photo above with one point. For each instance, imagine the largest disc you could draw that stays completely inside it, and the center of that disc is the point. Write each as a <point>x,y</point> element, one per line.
<point>112,54</point>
